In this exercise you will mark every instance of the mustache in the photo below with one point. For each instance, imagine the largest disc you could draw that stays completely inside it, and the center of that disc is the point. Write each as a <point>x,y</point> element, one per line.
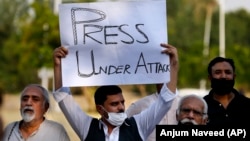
<point>189,121</point>
<point>121,111</point>
<point>27,108</point>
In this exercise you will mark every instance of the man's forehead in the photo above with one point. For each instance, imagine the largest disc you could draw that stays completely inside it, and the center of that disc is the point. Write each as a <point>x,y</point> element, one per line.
<point>32,91</point>
<point>115,97</point>
<point>192,101</point>
<point>222,65</point>
<point>32,95</point>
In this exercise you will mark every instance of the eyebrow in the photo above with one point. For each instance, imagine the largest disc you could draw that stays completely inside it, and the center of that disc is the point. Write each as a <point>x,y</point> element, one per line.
<point>32,96</point>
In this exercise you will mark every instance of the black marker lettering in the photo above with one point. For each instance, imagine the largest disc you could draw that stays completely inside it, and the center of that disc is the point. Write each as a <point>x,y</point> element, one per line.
<point>143,34</point>
<point>142,65</point>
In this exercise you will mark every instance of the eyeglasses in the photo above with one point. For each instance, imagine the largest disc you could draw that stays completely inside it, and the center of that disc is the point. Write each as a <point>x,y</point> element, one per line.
<point>195,112</point>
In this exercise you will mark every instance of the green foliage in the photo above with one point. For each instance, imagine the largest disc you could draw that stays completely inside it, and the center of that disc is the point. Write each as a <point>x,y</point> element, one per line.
<point>31,48</point>
<point>9,12</point>
<point>238,45</point>
<point>186,33</point>
<point>29,34</point>
<point>238,28</point>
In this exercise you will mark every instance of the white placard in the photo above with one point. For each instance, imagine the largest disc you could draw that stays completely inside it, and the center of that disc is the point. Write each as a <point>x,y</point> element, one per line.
<point>114,43</point>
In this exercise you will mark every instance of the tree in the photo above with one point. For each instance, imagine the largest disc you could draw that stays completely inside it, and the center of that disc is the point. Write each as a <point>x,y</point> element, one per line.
<point>10,12</point>
<point>29,36</point>
<point>31,47</point>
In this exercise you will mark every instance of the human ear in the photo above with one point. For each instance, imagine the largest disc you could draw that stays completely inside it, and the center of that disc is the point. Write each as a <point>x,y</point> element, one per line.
<point>99,109</point>
<point>205,121</point>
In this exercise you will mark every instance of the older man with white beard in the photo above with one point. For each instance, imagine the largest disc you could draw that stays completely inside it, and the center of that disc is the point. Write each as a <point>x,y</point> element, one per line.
<point>34,126</point>
<point>192,110</point>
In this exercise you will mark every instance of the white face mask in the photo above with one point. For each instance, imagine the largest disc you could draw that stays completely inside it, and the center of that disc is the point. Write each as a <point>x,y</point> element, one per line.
<point>116,119</point>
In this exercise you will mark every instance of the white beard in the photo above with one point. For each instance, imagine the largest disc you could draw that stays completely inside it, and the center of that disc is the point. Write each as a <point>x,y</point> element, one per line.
<point>27,117</point>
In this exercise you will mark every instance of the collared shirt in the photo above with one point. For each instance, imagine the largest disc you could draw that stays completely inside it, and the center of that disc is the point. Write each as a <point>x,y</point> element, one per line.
<point>114,135</point>
<point>143,103</point>
<point>145,121</point>
<point>48,131</point>
<point>236,113</point>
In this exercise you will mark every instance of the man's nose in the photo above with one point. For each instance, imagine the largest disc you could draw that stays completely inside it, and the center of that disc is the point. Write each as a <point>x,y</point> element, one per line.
<point>29,101</point>
<point>121,107</point>
<point>223,75</point>
<point>191,114</point>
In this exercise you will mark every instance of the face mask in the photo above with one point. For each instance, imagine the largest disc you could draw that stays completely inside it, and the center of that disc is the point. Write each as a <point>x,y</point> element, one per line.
<point>222,86</point>
<point>116,119</point>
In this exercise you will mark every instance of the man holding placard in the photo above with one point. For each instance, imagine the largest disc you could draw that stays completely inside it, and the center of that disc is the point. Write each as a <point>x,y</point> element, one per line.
<point>114,124</point>
<point>108,44</point>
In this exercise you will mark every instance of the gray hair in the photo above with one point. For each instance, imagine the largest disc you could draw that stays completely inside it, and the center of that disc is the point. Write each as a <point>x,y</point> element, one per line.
<point>205,109</point>
<point>44,92</point>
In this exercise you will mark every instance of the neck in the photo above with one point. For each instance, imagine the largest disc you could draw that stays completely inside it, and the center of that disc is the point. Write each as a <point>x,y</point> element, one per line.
<point>110,126</point>
<point>27,128</point>
<point>224,99</point>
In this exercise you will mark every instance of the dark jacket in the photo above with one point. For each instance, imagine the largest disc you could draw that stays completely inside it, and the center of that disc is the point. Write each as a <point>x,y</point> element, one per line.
<point>128,131</point>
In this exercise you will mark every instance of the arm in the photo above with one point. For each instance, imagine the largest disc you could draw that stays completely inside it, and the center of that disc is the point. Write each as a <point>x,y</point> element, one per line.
<point>174,66</point>
<point>147,119</point>
<point>59,53</point>
<point>78,119</point>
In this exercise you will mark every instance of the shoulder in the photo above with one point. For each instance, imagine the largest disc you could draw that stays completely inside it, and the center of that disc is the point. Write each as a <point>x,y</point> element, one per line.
<point>144,101</point>
<point>52,124</point>
<point>243,98</point>
<point>10,128</point>
<point>141,104</point>
<point>11,125</point>
<point>148,99</point>
<point>208,96</point>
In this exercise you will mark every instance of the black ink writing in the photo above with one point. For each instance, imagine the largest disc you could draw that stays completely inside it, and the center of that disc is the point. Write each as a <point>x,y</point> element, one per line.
<point>155,67</point>
<point>90,30</point>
